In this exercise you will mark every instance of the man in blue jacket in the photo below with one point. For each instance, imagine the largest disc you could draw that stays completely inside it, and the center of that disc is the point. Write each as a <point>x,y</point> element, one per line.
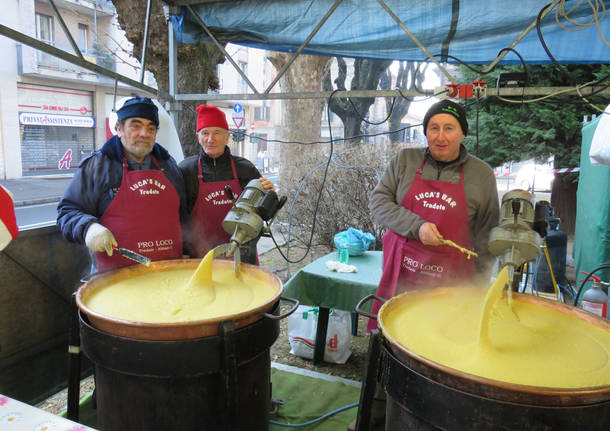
<point>129,194</point>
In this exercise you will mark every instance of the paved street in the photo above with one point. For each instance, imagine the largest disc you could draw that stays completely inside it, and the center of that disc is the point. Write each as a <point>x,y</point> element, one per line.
<point>38,215</point>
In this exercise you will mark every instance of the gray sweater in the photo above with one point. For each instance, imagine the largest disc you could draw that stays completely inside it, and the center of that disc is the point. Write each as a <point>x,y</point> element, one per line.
<point>479,184</point>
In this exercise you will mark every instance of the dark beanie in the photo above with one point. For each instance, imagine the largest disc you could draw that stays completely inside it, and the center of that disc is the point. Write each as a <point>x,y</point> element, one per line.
<point>139,107</point>
<point>447,107</point>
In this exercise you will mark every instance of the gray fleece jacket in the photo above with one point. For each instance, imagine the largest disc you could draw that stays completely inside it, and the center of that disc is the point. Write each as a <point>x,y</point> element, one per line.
<point>479,184</point>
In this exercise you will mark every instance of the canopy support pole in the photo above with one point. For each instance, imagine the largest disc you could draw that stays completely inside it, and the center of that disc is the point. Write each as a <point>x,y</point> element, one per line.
<point>66,31</point>
<point>70,58</point>
<point>303,45</point>
<point>514,92</point>
<point>414,39</point>
<point>222,49</point>
<point>145,41</point>
<point>172,106</point>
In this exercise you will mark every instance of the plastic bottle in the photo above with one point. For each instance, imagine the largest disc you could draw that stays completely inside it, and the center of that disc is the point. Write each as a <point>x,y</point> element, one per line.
<point>343,249</point>
<point>595,299</point>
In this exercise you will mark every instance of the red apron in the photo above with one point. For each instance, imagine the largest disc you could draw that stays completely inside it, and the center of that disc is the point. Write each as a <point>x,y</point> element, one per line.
<point>144,217</point>
<point>409,264</point>
<point>210,209</point>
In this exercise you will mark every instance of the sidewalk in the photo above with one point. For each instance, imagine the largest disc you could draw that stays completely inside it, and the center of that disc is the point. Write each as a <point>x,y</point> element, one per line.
<point>36,190</point>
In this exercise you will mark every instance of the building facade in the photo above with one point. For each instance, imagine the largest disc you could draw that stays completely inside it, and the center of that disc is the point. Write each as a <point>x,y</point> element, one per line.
<point>53,113</point>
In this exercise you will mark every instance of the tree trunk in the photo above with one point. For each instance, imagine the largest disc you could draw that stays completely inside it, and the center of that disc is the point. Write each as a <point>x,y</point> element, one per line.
<point>302,118</point>
<point>197,62</point>
<point>405,80</point>
<point>367,74</point>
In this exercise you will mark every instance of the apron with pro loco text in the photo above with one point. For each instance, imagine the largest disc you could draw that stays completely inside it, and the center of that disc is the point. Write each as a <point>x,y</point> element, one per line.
<point>408,263</point>
<point>210,209</point>
<point>144,217</point>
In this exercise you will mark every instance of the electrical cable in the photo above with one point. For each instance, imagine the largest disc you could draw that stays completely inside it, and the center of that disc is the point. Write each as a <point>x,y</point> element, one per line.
<point>368,122</point>
<point>604,266</point>
<point>555,62</point>
<point>313,421</point>
<point>545,47</point>
<point>599,5</point>
<point>331,158</point>
<point>315,213</point>
<point>557,93</point>
<point>526,83</point>
<point>477,130</point>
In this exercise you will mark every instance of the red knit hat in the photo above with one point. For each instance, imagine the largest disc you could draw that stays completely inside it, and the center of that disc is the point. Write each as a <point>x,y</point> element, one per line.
<point>210,116</point>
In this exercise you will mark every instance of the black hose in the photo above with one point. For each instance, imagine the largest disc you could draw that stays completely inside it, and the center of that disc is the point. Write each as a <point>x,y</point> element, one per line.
<point>313,421</point>
<point>572,290</point>
<point>604,266</point>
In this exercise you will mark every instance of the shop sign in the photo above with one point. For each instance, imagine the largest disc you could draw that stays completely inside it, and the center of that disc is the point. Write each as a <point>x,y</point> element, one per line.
<point>41,99</point>
<point>28,118</point>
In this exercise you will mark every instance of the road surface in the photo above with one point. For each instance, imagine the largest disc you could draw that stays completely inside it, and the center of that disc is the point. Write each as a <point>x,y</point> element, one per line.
<point>33,216</point>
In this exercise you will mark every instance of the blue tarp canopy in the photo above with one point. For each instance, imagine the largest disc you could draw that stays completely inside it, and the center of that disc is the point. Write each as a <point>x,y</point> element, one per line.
<point>473,31</point>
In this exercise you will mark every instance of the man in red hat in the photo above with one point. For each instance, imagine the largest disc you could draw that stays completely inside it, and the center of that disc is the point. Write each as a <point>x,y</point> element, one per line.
<point>205,176</point>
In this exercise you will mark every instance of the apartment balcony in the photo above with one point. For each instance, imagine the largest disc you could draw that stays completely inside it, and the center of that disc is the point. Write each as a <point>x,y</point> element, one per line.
<point>35,62</point>
<point>87,7</point>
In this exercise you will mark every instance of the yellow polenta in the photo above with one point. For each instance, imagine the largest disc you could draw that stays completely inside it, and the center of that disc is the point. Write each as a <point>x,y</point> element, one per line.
<point>530,345</point>
<point>167,296</point>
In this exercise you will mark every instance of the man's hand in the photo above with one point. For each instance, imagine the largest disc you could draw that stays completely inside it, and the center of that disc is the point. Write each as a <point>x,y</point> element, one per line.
<point>429,234</point>
<point>267,185</point>
<point>98,238</point>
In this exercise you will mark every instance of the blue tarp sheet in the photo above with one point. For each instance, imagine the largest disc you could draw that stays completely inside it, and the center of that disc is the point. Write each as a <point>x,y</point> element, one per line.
<point>473,31</point>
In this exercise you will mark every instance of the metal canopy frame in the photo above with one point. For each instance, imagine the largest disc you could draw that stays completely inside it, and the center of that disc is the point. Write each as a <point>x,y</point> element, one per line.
<point>174,6</point>
<point>174,100</point>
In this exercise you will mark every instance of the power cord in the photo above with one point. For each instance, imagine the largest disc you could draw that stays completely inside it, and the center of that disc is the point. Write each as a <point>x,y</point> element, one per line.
<point>315,213</point>
<point>313,421</point>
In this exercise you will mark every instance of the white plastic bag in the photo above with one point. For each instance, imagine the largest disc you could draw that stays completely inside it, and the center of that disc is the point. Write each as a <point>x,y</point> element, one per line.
<point>302,326</point>
<point>599,153</point>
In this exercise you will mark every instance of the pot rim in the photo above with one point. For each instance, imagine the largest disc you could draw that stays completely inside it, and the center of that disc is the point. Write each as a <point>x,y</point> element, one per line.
<point>593,393</point>
<point>105,322</point>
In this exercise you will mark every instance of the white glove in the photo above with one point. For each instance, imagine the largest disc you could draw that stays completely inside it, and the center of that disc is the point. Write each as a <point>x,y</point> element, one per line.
<point>98,238</point>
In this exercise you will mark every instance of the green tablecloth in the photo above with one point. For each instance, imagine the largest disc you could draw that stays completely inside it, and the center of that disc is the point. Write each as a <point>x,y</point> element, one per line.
<point>317,285</point>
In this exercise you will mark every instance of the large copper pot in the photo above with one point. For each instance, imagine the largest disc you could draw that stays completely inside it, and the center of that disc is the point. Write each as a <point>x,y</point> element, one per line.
<point>492,388</point>
<point>425,395</point>
<point>180,330</point>
<point>480,385</point>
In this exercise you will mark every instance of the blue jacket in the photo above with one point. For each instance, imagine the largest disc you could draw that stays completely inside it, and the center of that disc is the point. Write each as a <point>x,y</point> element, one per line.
<point>96,183</point>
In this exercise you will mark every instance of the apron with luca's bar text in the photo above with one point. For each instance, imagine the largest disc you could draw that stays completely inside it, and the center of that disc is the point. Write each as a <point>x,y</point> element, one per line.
<point>408,263</point>
<point>144,217</point>
<point>210,209</point>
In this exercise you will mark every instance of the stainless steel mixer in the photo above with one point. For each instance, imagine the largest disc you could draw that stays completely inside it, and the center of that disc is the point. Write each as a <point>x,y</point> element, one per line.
<point>249,218</point>
<point>517,238</point>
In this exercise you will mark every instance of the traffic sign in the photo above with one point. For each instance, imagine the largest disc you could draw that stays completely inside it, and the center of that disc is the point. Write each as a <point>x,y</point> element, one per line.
<point>238,118</point>
<point>238,108</point>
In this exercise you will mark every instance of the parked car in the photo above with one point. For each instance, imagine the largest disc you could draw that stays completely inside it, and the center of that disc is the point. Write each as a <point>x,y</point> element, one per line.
<point>535,177</point>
